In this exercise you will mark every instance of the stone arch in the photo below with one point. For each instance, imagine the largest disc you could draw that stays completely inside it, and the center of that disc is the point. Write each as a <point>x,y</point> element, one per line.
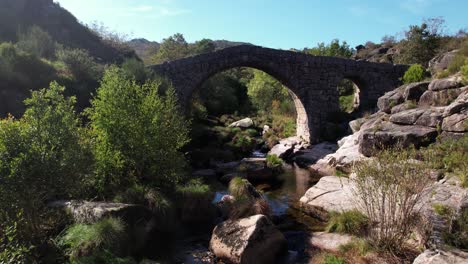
<point>312,79</point>
<point>302,123</point>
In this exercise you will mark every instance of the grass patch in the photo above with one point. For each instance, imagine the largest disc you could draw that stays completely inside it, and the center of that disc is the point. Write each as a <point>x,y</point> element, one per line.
<point>442,210</point>
<point>194,188</point>
<point>332,259</point>
<point>107,235</point>
<point>274,162</point>
<point>360,246</point>
<point>349,222</point>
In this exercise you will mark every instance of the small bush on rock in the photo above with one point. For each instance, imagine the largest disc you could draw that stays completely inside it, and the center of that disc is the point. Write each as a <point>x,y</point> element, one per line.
<point>415,73</point>
<point>273,162</point>
<point>389,189</point>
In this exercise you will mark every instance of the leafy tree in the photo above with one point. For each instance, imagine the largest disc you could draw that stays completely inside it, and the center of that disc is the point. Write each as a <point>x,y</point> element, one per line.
<point>334,49</point>
<point>37,42</point>
<point>80,64</point>
<point>138,134</point>
<point>44,156</point>
<point>264,89</point>
<point>172,48</point>
<point>135,69</point>
<point>203,46</point>
<point>421,43</point>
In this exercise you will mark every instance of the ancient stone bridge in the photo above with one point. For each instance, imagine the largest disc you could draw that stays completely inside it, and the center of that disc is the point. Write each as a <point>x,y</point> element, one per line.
<point>312,80</point>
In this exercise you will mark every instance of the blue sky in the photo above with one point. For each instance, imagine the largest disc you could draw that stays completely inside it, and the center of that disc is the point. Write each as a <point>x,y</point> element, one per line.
<point>271,23</point>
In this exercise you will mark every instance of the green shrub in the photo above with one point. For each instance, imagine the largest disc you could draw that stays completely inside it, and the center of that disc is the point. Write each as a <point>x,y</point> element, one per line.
<point>12,248</point>
<point>332,259</point>
<point>350,222</point>
<point>47,150</point>
<point>81,240</point>
<point>194,188</point>
<point>442,210</point>
<point>415,73</point>
<point>195,202</point>
<point>273,162</point>
<point>138,134</point>
<point>455,65</point>
<point>457,232</point>
<point>135,69</point>
<point>464,72</point>
<point>80,64</point>
<point>37,42</point>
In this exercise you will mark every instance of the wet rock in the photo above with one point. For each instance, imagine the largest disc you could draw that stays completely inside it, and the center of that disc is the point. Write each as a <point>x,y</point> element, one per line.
<point>331,193</point>
<point>228,167</point>
<point>249,240</point>
<point>446,83</point>
<point>442,257</point>
<point>407,117</point>
<point>389,134</point>
<point>310,156</point>
<point>414,90</point>
<point>286,147</point>
<point>329,241</point>
<point>244,123</point>
<point>390,99</point>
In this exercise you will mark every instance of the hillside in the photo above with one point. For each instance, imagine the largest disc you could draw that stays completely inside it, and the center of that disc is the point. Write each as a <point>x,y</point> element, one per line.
<point>63,27</point>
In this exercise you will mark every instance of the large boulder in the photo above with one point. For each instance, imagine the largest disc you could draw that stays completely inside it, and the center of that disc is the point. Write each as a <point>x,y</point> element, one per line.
<point>407,117</point>
<point>442,257</point>
<point>432,117</point>
<point>244,123</point>
<point>286,147</point>
<point>456,122</point>
<point>460,104</point>
<point>446,83</point>
<point>414,90</point>
<point>440,98</point>
<point>388,134</point>
<point>331,193</point>
<point>249,240</point>
<point>441,62</point>
<point>390,99</point>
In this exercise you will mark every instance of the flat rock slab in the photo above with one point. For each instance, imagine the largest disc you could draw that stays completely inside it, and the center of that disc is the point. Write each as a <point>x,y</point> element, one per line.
<point>244,123</point>
<point>331,193</point>
<point>329,241</point>
<point>314,153</point>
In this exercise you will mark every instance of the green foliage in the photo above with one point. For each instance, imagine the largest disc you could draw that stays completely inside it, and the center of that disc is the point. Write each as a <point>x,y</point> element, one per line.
<point>346,91</point>
<point>449,155</point>
<point>415,73</point>
<point>46,150</point>
<point>457,233</point>
<point>37,42</point>
<point>138,134</point>
<point>203,46</point>
<point>442,210</point>
<point>172,48</point>
<point>334,49</point>
<point>194,188</point>
<point>81,240</point>
<point>350,222</point>
<point>20,72</point>
<point>264,89</point>
<point>464,72</point>
<point>12,249</point>
<point>239,187</point>
<point>134,68</point>
<point>421,43</point>
<point>80,64</point>
<point>274,162</point>
<point>332,259</point>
